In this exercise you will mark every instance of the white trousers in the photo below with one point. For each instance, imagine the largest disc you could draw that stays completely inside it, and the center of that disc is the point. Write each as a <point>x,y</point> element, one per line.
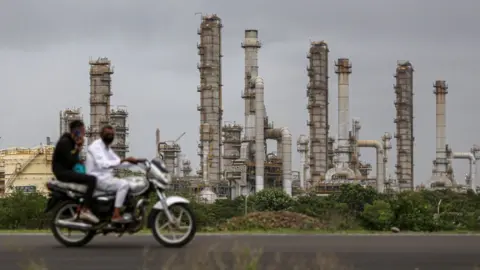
<point>120,186</point>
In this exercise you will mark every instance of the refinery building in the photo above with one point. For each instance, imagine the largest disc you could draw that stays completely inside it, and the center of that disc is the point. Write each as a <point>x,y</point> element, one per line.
<point>233,155</point>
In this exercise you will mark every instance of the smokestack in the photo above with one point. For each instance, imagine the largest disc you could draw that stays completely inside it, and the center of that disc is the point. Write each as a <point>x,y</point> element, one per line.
<point>251,45</point>
<point>342,170</point>
<point>343,69</point>
<point>441,162</point>
<point>259,134</point>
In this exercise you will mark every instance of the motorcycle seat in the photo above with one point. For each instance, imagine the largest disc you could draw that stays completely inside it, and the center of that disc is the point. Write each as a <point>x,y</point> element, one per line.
<point>78,188</point>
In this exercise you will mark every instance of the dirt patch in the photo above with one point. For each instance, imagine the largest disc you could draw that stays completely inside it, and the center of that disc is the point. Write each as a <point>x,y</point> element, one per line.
<point>272,221</point>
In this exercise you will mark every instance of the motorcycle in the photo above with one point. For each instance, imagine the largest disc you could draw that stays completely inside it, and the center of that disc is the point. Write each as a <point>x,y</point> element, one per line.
<point>65,200</point>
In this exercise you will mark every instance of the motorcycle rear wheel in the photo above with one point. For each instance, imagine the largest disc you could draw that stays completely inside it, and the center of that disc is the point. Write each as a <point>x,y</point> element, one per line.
<point>62,207</point>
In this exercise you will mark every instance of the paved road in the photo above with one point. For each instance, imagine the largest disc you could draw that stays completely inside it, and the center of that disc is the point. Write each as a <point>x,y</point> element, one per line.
<point>326,252</point>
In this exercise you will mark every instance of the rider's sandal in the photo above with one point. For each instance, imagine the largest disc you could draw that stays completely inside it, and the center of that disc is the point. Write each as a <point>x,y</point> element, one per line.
<point>120,220</point>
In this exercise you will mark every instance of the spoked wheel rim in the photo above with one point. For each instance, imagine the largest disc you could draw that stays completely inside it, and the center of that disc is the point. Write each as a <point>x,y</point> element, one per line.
<point>68,212</point>
<point>170,233</point>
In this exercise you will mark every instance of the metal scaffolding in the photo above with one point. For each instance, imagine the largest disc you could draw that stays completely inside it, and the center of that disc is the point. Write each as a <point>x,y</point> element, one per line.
<point>317,93</point>
<point>170,151</point>
<point>404,122</point>
<point>100,93</point>
<point>118,119</point>
<point>210,89</point>
<point>68,116</point>
<point>186,167</point>
<point>232,141</point>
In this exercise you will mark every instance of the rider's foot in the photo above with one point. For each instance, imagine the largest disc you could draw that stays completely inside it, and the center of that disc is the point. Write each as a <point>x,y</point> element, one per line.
<point>88,215</point>
<point>122,219</point>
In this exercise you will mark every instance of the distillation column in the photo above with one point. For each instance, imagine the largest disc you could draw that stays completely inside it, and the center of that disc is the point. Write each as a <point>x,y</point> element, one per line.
<point>441,162</point>
<point>387,146</point>
<point>210,90</point>
<point>251,46</point>
<point>302,148</point>
<point>118,119</point>
<point>100,93</point>
<point>404,125</point>
<point>259,135</point>
<point>317,93</point>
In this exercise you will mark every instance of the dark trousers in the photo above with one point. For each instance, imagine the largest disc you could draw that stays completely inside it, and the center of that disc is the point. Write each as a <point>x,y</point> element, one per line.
<point>84,179</point>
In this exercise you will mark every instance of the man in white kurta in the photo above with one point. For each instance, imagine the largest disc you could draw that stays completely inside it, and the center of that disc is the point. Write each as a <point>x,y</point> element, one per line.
<point>100,162</point>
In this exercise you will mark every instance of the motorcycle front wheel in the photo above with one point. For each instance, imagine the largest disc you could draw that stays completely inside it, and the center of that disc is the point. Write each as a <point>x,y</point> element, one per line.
<point>174,235</point>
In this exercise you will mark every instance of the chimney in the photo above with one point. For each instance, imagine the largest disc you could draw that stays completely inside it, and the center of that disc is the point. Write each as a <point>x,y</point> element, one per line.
<point>441,162</point>
<point>343,69</point>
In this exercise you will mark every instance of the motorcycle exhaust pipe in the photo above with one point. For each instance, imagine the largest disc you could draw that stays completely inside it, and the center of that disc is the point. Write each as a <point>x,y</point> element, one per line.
<point>67,224</point>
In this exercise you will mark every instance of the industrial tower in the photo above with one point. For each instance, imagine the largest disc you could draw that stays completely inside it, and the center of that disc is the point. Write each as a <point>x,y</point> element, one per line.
<point>68,116</point>
<point>302,148</point>
<point>186,168</point>
<point>118,119</point>
<point>232,141</point>
<point>317,93</point>
<point>100,93</point>
<point>251,46</point>
<point>210,89</point>
<point>404,122</point>
<point>170,150</point>
<point>342,172</point>
<point>440,173</point>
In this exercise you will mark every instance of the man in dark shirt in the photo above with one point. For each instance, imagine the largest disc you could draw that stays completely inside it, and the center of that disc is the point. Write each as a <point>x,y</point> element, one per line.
<point>65,157</point>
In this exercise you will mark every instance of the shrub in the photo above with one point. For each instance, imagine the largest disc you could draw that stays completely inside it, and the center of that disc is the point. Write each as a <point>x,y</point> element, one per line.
<point>271,200</point>
<point>413,212</point>
<point>23,211</point>
<point>378,216</point>
<point>354,207</point>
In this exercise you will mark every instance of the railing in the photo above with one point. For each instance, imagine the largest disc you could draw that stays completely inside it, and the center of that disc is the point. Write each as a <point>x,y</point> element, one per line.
<point>12,178</point>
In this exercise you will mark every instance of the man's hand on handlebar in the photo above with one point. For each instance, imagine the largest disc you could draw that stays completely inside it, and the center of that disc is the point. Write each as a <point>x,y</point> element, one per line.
<point>130,160</point>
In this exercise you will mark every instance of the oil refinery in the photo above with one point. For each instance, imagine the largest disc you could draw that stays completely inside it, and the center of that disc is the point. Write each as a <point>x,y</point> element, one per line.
<point>233,156</point>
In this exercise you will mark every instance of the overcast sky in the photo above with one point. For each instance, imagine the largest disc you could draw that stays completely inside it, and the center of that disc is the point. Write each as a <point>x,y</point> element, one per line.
<point>45,47</point>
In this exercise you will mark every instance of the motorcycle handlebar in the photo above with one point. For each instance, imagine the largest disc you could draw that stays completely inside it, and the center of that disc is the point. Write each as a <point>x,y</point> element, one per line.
<point>138,160</point>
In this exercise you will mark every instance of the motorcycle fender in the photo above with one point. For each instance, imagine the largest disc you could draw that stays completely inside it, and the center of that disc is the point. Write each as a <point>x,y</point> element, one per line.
<point>52,201</point>
<point>158,206</point>
<point>170,201</point>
